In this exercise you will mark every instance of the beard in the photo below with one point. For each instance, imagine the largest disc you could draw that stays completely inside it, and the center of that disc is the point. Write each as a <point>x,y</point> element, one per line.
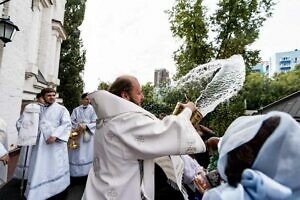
<point>131,99</point>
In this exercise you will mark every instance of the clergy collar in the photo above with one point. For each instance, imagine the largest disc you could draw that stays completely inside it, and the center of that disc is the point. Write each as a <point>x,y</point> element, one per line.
<point>108,105</point>
<point>85,107</point>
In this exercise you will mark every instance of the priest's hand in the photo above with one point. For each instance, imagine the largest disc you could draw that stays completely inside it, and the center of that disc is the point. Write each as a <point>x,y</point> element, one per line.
<point>51,140</point>
<point>82,127</point>
<point>5,159</point>
<point>190,105</point>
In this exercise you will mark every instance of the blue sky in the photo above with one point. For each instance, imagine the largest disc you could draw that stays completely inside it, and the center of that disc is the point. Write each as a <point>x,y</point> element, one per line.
<point>133,37</point>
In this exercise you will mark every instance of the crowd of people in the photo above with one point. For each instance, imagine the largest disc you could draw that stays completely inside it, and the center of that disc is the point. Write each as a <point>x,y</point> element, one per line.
<point>125,152</point>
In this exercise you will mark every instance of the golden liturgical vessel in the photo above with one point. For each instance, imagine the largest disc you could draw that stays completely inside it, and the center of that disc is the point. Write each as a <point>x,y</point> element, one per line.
<point>196,115</point>
<point>73,143</point>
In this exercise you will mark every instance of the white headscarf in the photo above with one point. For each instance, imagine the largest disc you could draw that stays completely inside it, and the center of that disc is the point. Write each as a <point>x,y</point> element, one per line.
<point>275,172</point>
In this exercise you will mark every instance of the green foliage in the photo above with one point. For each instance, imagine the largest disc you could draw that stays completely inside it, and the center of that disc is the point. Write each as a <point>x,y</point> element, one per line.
<point>224,114</point>
<point>235,25</point>
<point>103,86</point>
<point>72,58</point>
<point>151,101</point>
<point>188,24</point>
<point>213,162</point>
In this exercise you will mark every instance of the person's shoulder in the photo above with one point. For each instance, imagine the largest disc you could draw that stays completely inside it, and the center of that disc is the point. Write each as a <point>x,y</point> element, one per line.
<point>90,107</point>
<point>77,108</point>
<point>60,106</point>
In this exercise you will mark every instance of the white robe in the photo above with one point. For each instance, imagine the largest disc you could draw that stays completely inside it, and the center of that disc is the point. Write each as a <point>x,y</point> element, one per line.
<point>81,159</point>
<point>49,165</point>
<point>3,151</point>
<point>21,166</point>
<point>27,126</point>
<point>127,133</point>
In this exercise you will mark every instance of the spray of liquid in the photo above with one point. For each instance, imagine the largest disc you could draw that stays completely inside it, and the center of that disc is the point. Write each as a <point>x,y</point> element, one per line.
<point>222,79</point>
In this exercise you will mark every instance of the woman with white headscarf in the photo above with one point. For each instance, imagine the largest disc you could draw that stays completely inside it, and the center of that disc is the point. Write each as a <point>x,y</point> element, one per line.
<point>259,158</point>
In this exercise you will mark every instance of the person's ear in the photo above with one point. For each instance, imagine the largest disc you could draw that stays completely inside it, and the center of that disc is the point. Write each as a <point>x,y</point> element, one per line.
<point>124,95</point>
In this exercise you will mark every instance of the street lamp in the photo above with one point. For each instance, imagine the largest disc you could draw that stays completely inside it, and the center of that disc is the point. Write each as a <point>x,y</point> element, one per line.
<point>4,1</point>
<point>7,29</point>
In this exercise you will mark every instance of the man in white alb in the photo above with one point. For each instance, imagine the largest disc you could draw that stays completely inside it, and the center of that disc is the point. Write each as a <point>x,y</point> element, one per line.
<point>83,121</point>
<point>127,140</point>
<point>48,173</point>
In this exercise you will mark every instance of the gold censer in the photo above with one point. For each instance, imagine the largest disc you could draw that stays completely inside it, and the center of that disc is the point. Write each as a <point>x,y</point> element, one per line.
<point>196,115</point>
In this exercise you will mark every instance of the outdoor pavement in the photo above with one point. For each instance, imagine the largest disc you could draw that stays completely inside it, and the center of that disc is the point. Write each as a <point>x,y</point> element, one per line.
<point>11,190</point>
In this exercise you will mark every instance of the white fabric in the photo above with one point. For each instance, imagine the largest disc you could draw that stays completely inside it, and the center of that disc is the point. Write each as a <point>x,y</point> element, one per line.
<point>3,151</point>
<point>49,165</point>
<point>277,159</point>
<point>22,167</point>
<point>81,159</point>
<point>28,125</point>
<point>191,169</point>
<point>125,133</point>
<point>259,186</point>
<point>173,167</point>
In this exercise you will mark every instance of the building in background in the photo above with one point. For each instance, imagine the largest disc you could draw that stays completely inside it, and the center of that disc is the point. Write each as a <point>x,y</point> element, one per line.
<point>281,62</point>
<point>161,76</point>
<point>31,61</point>
<point>262,68</point>
<point>284,62</point>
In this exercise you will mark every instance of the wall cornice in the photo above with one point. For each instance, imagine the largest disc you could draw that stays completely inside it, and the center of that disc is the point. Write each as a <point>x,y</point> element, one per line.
<point>57,26</point>
<point>46,3</point>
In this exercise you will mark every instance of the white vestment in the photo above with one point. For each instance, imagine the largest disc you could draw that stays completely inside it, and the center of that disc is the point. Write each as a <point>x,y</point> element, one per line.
<point>125,134</point>
<point>49,165</point>
<point>275,172</point>
<point>3,151</point>
<point>27,126</point>
<point>81,159</point>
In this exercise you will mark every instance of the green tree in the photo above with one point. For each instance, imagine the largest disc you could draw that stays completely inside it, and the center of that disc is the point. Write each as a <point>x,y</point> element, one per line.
<point>151,101</point>
<point>72,57</point>
<point>189,25</point>
<point>235,24</point>
<point>103,85</point>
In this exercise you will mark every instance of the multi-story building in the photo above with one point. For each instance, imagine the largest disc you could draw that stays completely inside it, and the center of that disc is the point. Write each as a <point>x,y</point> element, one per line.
<point>279,63</point>
<point>161,76</point>
<point>262,68</point>
<point>31,61</point>
<point>284,62</point>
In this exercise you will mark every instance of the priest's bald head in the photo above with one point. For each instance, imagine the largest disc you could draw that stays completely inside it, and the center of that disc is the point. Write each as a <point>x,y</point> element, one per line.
<point>127,87</point>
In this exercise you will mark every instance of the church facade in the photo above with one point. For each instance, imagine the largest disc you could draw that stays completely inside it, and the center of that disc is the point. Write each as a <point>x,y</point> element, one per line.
<point>31,61</point>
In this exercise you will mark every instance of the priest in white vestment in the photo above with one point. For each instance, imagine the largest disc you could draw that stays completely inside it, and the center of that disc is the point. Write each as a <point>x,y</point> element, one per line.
<point>49,165</point>
<point>3,152</point>
<point>129,138</point>
<point>84,121</point>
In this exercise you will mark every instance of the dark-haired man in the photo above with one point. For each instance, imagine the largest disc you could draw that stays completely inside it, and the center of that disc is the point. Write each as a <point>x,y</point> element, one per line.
<point>127,140</point>
<point>84,122</point>
<point>49,165</point>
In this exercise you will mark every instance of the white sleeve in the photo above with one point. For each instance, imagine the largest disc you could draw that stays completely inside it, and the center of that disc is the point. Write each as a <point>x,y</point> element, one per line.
<point>191,169</point>
<point>3,150</point>
<point>146,138</point>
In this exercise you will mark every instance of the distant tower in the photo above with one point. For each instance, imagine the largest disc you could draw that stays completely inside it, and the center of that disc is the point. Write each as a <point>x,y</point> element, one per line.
<point>161,76</point>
